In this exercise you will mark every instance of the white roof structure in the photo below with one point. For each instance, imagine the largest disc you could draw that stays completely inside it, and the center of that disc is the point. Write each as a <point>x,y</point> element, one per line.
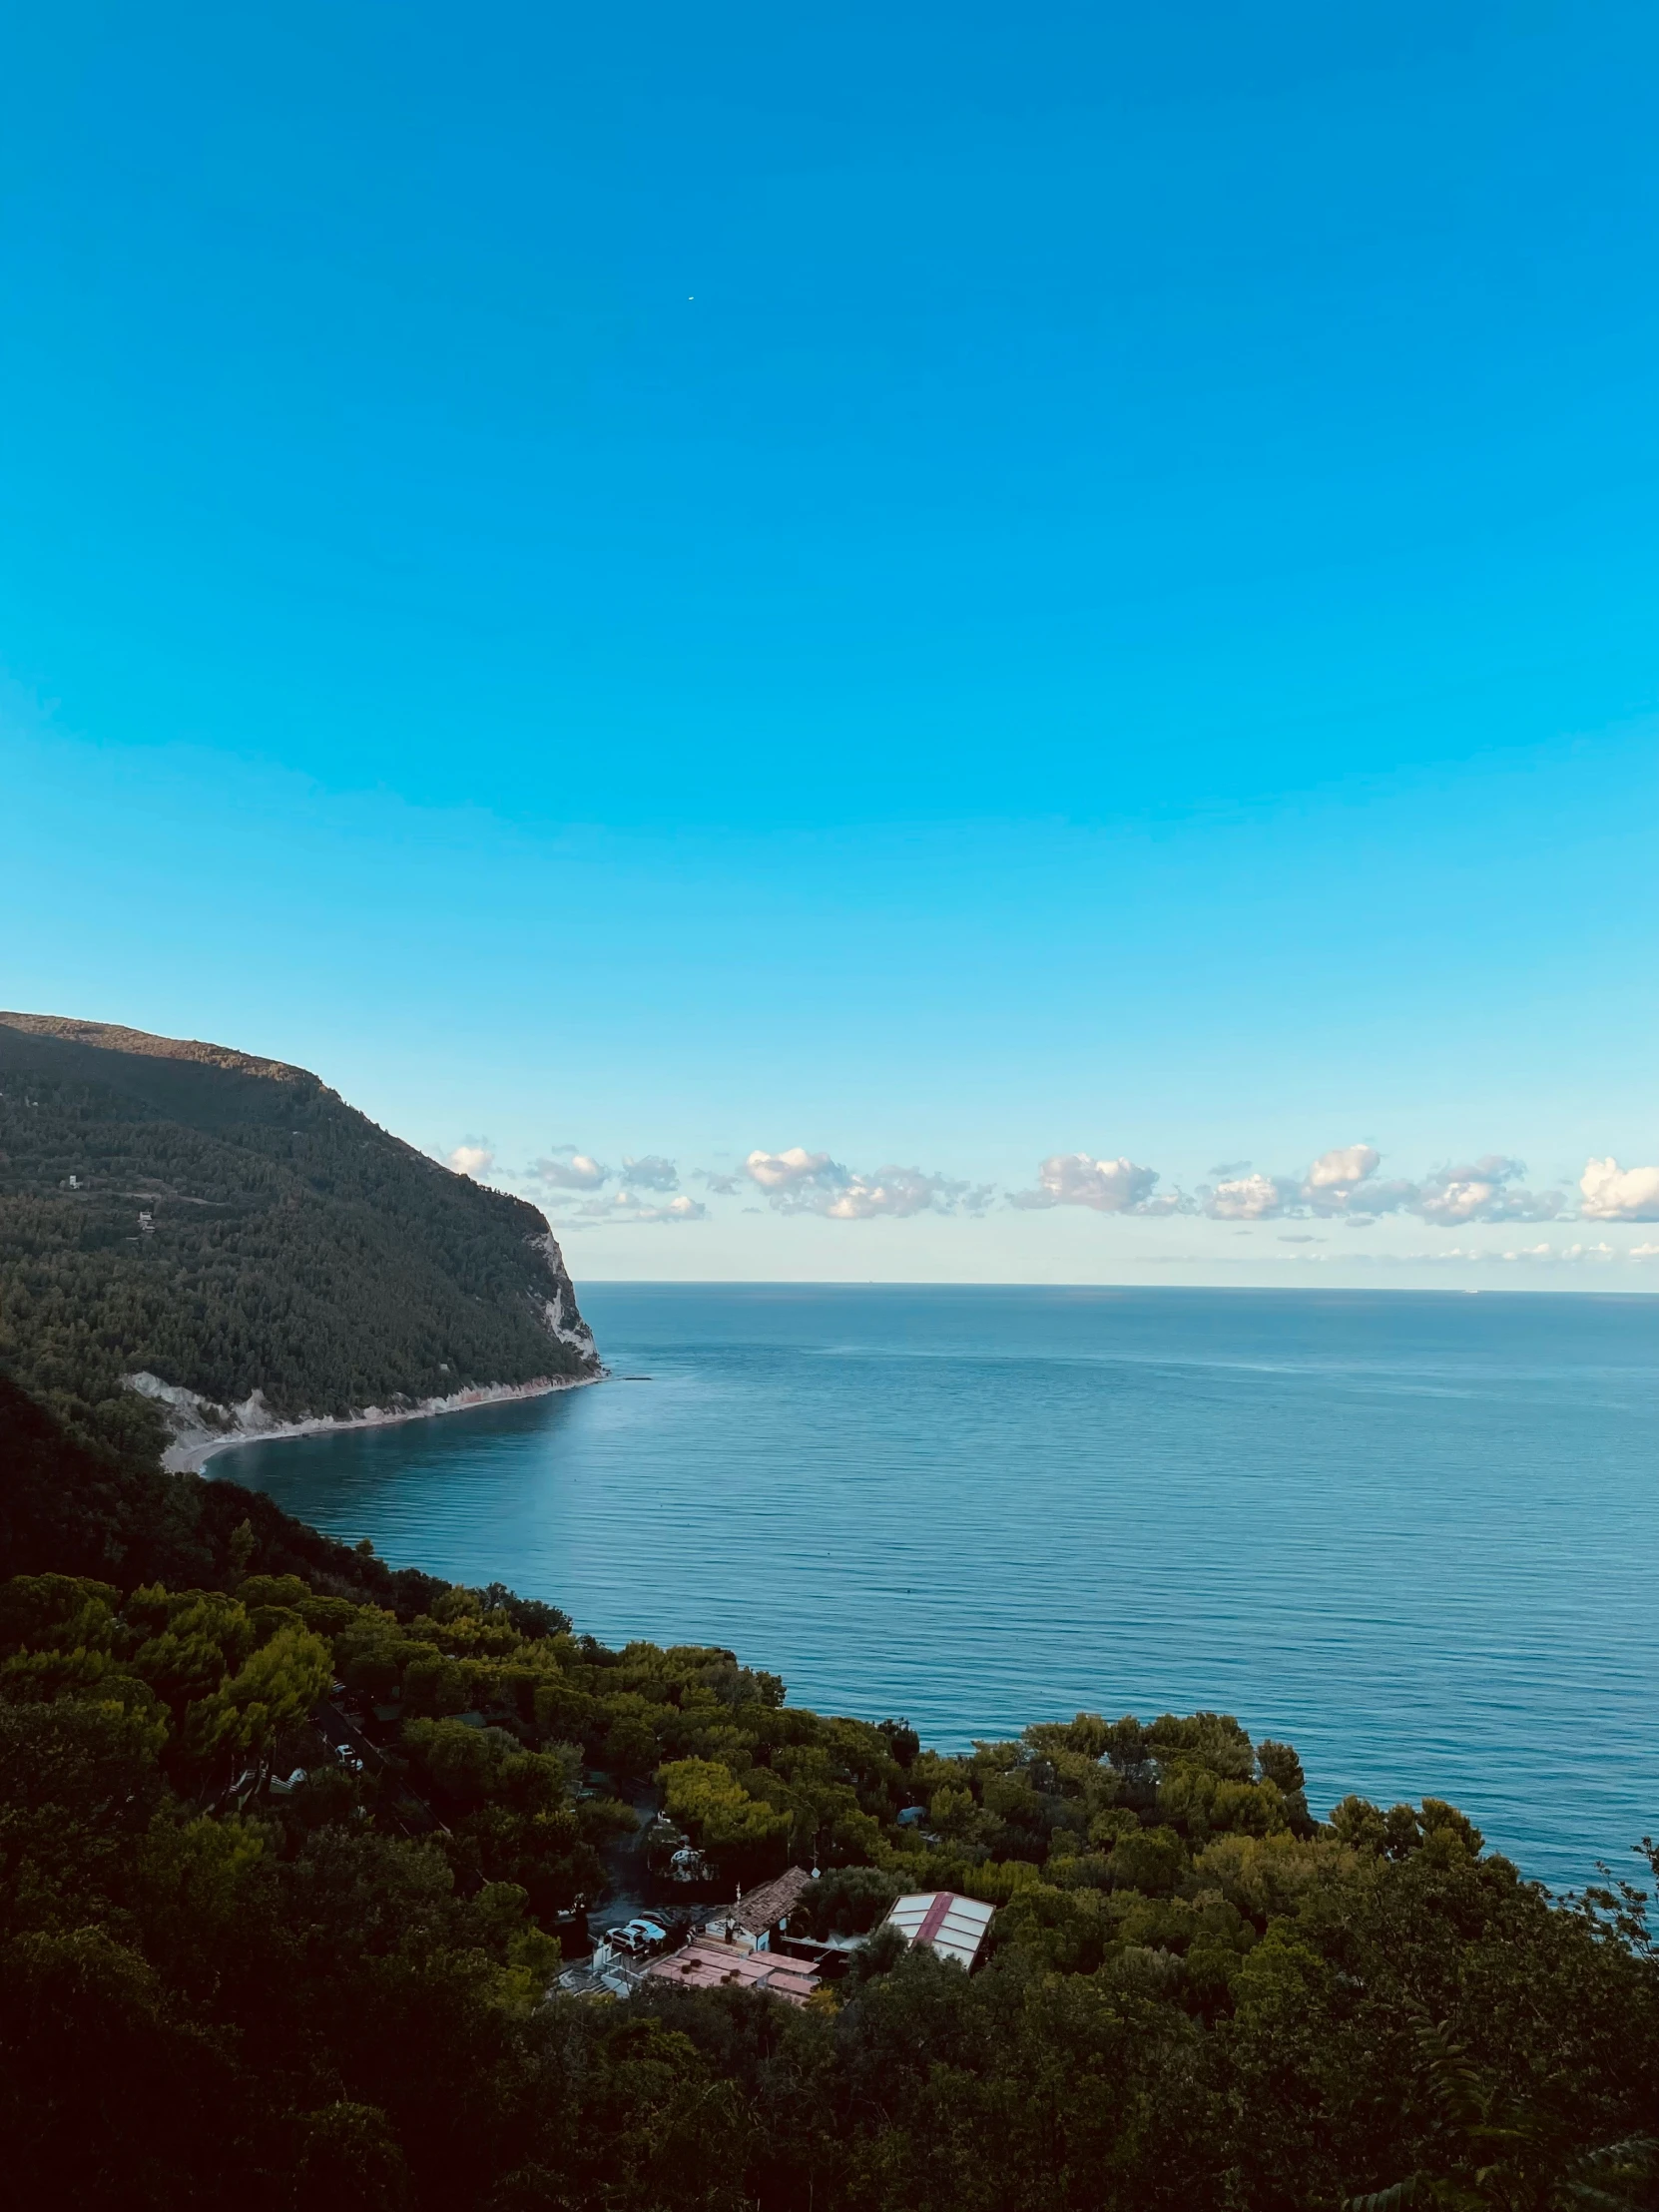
<point>953,1926</point>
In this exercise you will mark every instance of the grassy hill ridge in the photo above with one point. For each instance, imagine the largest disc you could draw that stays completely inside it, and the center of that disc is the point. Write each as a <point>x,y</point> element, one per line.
<point>230,1224</point>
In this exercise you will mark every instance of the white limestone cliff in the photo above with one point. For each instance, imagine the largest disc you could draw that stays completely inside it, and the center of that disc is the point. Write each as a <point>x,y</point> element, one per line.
<point>201,1429</point>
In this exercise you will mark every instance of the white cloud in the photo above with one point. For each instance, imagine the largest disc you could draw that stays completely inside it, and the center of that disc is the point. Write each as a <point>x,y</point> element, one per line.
<point>1343,1183</point>
<point>679,1208</point>
<point>723,1186</point>
<point>796,1179</point>
<point>567,1170</point>
<point>475,1156</point>
<point>1249,1198</point>
<point>901,1192</point>
<point>1485,1190</point>
<point>1644,1251</point>
<point>1526,1256</point>
<point>803,1182</point>
<point>651,1173</point>
<point>1538,1255</point>
<point>625,1209</point>
<point>1611,1193</point>
<point>1340,1181</point>
<point>1107,1186</point>
<point>1343,1167</point>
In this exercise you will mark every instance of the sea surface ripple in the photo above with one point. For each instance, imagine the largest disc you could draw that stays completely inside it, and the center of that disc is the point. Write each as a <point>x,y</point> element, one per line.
<point>1413,1534</point>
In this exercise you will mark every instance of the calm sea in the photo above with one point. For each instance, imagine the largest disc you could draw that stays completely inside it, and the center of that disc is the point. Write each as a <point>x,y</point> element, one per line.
<point>1413,1534</point>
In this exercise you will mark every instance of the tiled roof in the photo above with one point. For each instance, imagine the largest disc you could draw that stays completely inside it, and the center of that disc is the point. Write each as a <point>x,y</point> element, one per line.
<point>772,1902</point>
<point>707,1965</point>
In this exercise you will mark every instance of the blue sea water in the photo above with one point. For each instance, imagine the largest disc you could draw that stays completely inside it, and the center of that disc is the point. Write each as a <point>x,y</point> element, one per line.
<point>1413,1534</point>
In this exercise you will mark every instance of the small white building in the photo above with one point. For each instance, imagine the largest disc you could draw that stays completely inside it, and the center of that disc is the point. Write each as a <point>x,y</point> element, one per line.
<point>752,1920</point>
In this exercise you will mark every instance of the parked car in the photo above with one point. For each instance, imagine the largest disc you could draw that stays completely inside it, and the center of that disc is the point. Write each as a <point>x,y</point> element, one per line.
<point>637,1936</point>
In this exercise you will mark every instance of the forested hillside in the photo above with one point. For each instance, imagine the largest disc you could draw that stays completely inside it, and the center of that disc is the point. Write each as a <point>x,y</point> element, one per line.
<point>230,1224</point>
<point>339,1994</point>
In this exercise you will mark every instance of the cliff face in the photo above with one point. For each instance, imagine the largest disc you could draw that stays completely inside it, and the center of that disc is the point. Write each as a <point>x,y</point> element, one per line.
<point>228,1226</point>
<point>561,1315</point>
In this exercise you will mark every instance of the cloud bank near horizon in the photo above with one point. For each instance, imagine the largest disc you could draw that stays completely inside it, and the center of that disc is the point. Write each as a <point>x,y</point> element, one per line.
<point>571,1184</point>
<point>1342,1185</point>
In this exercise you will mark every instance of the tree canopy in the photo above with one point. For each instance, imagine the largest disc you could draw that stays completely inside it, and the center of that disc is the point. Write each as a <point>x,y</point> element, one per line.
<point>1196,1992</point>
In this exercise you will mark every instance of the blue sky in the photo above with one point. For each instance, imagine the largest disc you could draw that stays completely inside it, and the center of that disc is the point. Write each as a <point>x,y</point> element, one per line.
<point>936,590</point>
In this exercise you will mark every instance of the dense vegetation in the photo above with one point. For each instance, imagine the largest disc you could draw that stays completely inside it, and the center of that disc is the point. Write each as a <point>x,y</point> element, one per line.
<point>216,1990</point>
<point>220,1983</point>
<point>67,1508</point>
<point>230,1224</point>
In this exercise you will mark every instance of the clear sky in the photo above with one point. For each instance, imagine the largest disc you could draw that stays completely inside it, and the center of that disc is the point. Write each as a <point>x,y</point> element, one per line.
<point>912,591</point>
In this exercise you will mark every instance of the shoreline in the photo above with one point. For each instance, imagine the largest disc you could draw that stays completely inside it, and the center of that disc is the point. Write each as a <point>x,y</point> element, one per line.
<point>197,1441</point>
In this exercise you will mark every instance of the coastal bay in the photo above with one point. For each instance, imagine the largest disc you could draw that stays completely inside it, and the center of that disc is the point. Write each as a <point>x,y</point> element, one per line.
<point>1412,1532</point>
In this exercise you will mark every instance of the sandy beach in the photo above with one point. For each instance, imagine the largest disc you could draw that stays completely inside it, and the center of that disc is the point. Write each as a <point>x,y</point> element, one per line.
<point>203,1431</point>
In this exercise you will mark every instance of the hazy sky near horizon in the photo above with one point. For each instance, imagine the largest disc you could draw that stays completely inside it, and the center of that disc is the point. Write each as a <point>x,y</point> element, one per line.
<point>878,615</point>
